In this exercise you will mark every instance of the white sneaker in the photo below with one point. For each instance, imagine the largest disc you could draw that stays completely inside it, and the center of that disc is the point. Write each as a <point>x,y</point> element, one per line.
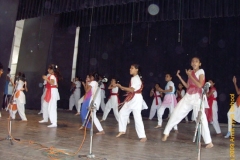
<point>52,125</point>
<point>42,121</point>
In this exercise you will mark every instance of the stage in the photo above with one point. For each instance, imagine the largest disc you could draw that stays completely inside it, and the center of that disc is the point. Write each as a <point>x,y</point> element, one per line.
<point>68,138</point>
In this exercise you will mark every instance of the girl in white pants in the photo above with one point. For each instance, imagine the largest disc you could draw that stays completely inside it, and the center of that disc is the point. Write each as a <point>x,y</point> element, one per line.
<point>156,103</point>
<point>43,95</point>
<point>73,100</point>
<point>113,101</point>
<point>212,111</point>
<point>179,95</point>
<point>169,100</point>
<point>51,96</point>
<point>93,85</point>
<point>191,100</point>
<point>102,91</point>
<point>133,103</point>
<point>19,97</point>
<point>234,111</point>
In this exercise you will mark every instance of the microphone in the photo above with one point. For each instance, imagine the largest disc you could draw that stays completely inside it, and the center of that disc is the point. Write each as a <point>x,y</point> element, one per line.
<point>104,80</point>
<point>206,86</point>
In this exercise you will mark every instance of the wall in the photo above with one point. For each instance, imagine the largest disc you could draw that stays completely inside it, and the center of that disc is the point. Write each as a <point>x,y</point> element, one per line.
<point>33,56</point>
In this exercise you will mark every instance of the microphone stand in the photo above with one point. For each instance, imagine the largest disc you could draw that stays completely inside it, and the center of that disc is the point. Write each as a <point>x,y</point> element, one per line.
<point>91,109</point>
<point>198,129</point>
<point>9,137</point>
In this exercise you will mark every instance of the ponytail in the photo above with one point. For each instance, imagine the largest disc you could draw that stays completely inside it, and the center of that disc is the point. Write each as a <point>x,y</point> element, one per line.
<point>56,71</point>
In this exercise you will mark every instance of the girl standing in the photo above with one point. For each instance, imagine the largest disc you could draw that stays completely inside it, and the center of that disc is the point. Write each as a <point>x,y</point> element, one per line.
<point>19,96</point>
<point>234,111</point>
<point>73,100</point>
<point>180,94</point>
<point>156,101</point>
<point>133,103</point>
<point>169,100</point>
<point>86,101</point>
<point>191,100</point>
<point>97,95</point>
<point>102,87</point>
<point>212,111</point>
<point>43,95</point>
<point>51,96</point>
<point>113,101</point>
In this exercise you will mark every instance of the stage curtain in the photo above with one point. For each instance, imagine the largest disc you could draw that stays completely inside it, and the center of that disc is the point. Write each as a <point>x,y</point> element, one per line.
<point>104,12</point>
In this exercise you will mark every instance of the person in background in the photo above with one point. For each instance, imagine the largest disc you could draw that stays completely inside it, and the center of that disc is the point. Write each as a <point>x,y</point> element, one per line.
<point>156,103</point>
<point>8,85</point>
<point>76,94</point>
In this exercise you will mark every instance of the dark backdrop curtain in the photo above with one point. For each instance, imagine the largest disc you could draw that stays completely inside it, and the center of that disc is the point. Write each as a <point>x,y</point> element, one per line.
<point>78,12</point>
<point>156,48</point>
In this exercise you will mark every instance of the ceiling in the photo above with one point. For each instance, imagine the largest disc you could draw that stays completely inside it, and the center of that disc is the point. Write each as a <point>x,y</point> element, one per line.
<point>105,12</point>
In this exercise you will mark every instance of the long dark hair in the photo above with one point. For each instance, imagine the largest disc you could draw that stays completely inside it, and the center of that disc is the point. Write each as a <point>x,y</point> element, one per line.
<point>20,76</point>
<point>56,71</point>
<point>155,86</point>
<point>95,76</point>
<point>137,66</point>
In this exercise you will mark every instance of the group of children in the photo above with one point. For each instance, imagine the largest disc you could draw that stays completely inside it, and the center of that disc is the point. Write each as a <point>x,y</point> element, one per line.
<point>179,104</point>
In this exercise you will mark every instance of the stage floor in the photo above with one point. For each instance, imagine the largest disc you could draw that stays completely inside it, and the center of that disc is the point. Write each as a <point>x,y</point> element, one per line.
<point>66,137</point>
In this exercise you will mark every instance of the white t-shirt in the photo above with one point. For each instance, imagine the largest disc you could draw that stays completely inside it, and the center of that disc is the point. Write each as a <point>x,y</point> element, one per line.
<point>170,83</point>
<point>45,82</point>
<point>55,80</point>
<point>78,84</point>
<point>97,99</point>
<point>215,94</point>
<point>199,72</point>
<point>115,90</point>
<point>136,82</point>
<point>182,93</point>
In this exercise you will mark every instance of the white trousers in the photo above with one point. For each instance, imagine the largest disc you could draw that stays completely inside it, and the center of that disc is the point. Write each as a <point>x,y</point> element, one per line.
<point>96,121</point>
<point>160,114</point>
<point>21,110</point>
<point>233,114</point>
<point>124,117</point>
<point>50,111</point>
<point>184,106</point>
<point>73,100</point>
<point>215,122</point>
<point>111,104</point>
<point>154,108</point>
<point>103,105</point>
